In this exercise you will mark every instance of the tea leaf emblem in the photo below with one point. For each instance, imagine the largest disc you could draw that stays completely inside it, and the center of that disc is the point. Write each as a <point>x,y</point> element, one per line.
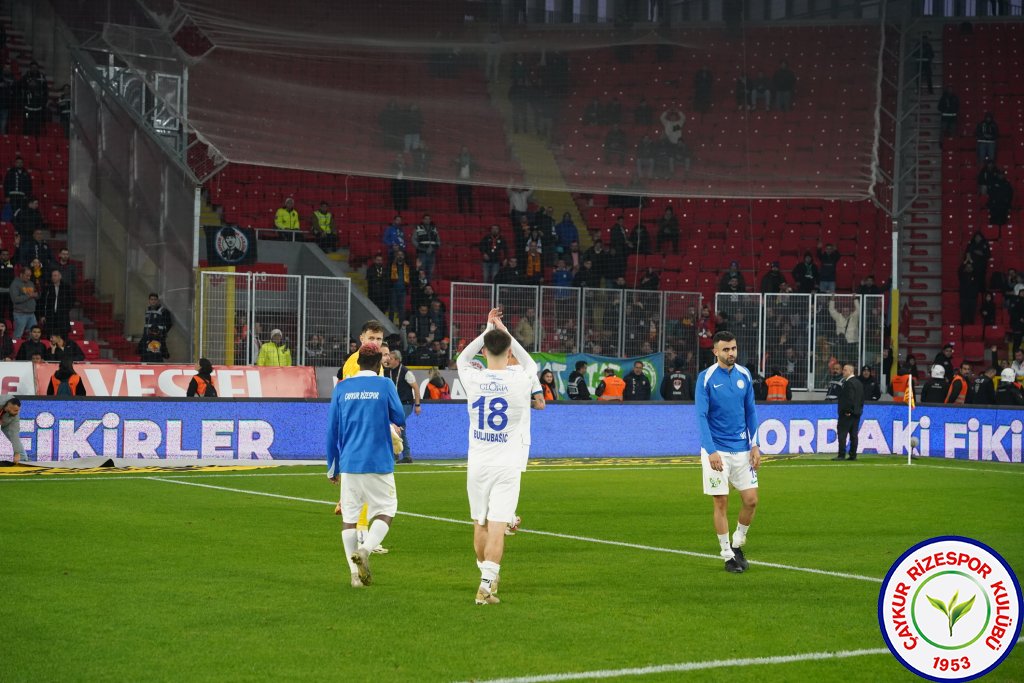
<point>953,611</point>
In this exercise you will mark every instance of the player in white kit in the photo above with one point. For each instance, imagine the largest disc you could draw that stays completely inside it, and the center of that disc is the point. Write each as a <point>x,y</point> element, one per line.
<point>498,400</point>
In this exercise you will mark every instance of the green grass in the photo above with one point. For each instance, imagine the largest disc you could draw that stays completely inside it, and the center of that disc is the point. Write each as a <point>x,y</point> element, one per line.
<point>123,578</point>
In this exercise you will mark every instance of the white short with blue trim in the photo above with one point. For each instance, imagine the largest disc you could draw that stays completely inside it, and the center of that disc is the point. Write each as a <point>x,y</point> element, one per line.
<point>736,470</point>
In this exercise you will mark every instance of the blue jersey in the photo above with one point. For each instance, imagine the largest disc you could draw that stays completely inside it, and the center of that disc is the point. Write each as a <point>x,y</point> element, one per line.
<point>359,425</point>
<point>726,412</point>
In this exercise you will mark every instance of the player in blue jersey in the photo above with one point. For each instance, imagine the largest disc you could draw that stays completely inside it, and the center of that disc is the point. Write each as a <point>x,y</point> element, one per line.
<point>359,446</point>
<point>729,454</point>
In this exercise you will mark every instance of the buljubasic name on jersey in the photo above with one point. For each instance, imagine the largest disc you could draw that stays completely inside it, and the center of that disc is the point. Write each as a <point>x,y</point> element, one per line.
<point>495,437</point>
<point>362,395</point>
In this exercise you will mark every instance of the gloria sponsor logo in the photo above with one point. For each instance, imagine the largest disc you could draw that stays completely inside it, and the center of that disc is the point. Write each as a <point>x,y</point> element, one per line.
<point>949,609</point>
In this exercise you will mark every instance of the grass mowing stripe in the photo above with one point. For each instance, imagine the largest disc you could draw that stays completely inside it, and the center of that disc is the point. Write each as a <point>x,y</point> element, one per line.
<point>551,534</point>
<point>693,666</point>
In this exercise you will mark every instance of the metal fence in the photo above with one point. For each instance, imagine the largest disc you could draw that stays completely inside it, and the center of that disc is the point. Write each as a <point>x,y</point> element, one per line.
<point>741,315</point>
<point>520,305</point>
<point>467,312</point>
<point>560,319</point>
<point>239,311</point>
<point>787,338</point>
<point>602,321</point>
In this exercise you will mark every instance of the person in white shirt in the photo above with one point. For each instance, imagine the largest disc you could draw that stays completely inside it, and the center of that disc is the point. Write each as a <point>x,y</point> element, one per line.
<point>499,402</point>
<point>518,203</point>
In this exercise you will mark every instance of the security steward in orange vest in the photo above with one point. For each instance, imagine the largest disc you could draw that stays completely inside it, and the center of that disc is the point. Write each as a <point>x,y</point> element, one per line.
<point>65,382</point>
<point>900,382</point>
<point>959,386</point>
<point>611,388</point>
<point>778,387</point>
<point>202,383</point>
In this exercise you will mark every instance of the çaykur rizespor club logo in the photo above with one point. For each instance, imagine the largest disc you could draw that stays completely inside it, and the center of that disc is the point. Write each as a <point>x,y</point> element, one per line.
<point>949,609</point>
<point>231,244</point>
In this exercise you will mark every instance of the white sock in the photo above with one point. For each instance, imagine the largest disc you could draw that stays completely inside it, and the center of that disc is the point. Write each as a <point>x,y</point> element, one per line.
<point>480,565</point>
<point>348,539</point>
<point>723,541</point>
<point>488,573</point>
<point>740,537</point>
<point>378,530</point>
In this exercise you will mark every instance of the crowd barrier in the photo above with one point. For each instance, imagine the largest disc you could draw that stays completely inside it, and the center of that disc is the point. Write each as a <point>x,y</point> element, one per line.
<point>252,430</point>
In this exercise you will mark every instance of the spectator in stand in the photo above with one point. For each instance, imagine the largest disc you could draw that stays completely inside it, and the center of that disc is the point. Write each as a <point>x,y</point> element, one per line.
<point>399,184</point>
<point>638,386</point>
<point>913,370</point>
<point>668,231</point>
<point>492,251</point>
<point>615,145</point>
<point>378,282</point>
<point>645,153</point>
<point>437,313</point>
<point>28,219</point>
<point>152,346</point>
<point>968,291</point>
<point>18,186</point>
<point>394,238</point>
<point>703,89</point>
<point>522,236</point>
<point>427,241</point>
<point>201,384</point>
<point>157,315</point>
<point>421,355</point>
<point>465,168</point>
<point>518,202</point>
<point>732,286</point>
<point>868,286</point>
<point>783,84</point>
<point>598,257</point>
<point>706,328</point>
<point>677,154</point>
<point>641,239</point>
<point>650,281</point>
<point>574,258</point>
<point>33,345</point>
<point>925,54</point>
<point>68,270</point>
<point>872,392</point>
<point>643,113</point>
<point>35,97</point>
<point>773,280</point>
<point>62,347</point>
<point>761,87</point>
<point>983,387</point>
<point>731,274</point>
<point>274,353</point>
<point>420,323</point>
<point>619,242</point>
<point>944,359</point>
<point>510,273</point>
<point>561,276</point>
<point>65,382</point>
<point>611,387</point>
<point>987,135</point>
<point>986,176</point>
<point>58,300</point>
<point>8,270</point>
<point>587,276</point>
<point>805,275</point>
<point>1009,393</point>
<point>24,294</point>
<point>8,95</point>
<point>566,233</point>
<point>64,109</point>
<point>987,309</point>
<point>672,121</point>
<point>936,387</point>
<point>534,274</point>
<point>324,229</point>
<point>1000,199</point>
<point>399,277</point>
<point>829,259</point>
<point>35,249</point>
<point>528,331</point>
<point>6,343</point>
<point>412,123</point>
<point>949,109</point>
<point>287,218</point>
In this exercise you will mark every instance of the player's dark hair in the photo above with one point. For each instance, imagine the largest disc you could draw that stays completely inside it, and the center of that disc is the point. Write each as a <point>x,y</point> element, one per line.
<point>497,342</point>
<point>13,401</point>
<point>369,357</point>
<point>371,326</point>
<point>580,364</point>
<point>724,335</point>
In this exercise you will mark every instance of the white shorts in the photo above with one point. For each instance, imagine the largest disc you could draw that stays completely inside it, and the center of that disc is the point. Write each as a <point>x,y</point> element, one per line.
<point>493,493</point>
<point>736,470</point>
<point>376,491</point>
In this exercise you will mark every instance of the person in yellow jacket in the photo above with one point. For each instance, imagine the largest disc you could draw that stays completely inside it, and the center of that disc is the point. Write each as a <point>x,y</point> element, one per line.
<point>324,229</point>
<point>371,332</point>
<point>274,353</point>
<point>287,218</point>
<point>611,388</point>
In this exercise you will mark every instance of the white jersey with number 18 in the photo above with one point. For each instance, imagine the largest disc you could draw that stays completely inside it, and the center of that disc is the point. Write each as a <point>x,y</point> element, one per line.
<point>498,402</point>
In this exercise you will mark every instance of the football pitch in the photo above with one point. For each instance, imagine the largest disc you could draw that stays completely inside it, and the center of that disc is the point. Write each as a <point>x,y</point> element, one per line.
<point>239,576</point>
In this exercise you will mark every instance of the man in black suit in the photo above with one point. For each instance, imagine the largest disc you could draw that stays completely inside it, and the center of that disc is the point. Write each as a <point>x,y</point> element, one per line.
<point>58,299</point>
<point>851,405</point>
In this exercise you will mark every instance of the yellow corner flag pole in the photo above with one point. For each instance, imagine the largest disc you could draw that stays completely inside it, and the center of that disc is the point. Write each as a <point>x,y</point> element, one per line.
<point>910,418</point>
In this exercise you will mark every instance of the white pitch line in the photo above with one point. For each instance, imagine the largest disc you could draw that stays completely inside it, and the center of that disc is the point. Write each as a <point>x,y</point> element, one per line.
<point>693,666</point>
<point>551,534</point>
